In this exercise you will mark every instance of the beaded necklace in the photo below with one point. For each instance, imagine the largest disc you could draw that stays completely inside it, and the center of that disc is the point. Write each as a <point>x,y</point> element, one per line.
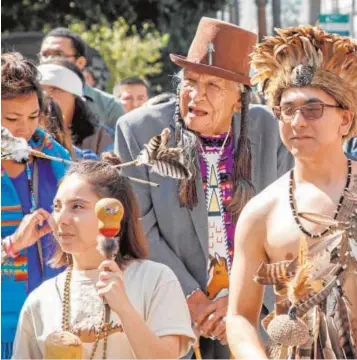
<point>32,193</point>
<point>104,325</point>
<point>34,205</point>
<point>295,213</point>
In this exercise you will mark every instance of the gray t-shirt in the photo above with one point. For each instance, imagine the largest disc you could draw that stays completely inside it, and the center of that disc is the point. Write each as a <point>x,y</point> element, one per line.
<point>152,288</point>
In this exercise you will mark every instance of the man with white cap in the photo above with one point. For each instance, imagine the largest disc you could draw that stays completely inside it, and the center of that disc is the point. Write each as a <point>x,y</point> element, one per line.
<point>64,43</point>
<point>64,82</point>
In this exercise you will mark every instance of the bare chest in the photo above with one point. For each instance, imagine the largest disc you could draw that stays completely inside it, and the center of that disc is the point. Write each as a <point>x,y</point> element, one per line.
<point>285,227</point>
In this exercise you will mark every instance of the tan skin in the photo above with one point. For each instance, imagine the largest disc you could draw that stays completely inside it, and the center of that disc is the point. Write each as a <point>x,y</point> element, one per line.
<point>20,115</point>
<point>57,46</point>
<point>76,228</point>
<point>266,230</point>
<point>207,104</point>
<point>132,96</point>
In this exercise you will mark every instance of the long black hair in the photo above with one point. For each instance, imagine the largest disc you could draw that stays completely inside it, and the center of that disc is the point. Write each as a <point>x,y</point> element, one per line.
<point>84,120</point>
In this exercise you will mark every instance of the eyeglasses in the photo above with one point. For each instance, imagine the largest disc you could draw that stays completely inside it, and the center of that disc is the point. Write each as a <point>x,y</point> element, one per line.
<point>55,54</point>
<point>312,111</point>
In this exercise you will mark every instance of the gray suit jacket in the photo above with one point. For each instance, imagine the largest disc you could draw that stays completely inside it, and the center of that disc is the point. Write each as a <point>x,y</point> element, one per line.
<point>178,237</point>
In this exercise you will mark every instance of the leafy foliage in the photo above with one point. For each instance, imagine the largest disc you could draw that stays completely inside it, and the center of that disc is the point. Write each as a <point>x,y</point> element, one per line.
<point>179,18</point>
<point>125,51</point>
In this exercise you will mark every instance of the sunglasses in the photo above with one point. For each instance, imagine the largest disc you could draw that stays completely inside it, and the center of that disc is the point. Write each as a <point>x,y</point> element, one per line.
<point>311,111</point>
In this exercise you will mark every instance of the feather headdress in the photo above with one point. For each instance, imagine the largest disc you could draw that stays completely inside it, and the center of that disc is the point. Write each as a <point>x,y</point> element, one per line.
<point>308,56</point>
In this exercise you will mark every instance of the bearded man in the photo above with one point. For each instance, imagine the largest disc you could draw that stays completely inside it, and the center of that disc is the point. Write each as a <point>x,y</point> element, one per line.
<point>232,150</point>
<point>310,79</point>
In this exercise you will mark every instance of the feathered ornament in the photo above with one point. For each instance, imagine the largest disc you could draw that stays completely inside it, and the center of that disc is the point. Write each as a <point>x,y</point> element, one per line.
<point>161,159</point>
<point>303,291</point>
<point>307,56</point>
<point>17,149</point>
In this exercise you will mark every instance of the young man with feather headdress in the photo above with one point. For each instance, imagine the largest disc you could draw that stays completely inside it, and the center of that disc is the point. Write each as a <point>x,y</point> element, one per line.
<point>229,147</point>
<point>310,80</point>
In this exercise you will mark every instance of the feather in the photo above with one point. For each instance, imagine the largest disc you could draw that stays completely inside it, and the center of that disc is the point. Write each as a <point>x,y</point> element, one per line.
<point>343,328</point>
<point>301,284</point>
<point>272,274</point>
<point>161,159</point>
<point>319,250</point>
<point>351,196</point>
<point>324,338</point>
<point>316,299</point>
<point>334,338</point>
<point>171,168</point>
<point>13,148</point>
<point>348,317</point>
<point>108,247</point>
<point>304,351</point>
<point>325,221</point>
<point>315,329</point>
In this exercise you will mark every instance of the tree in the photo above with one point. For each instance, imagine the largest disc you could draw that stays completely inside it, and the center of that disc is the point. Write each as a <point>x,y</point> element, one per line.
<point>179,18</point>
<point>125,52</point>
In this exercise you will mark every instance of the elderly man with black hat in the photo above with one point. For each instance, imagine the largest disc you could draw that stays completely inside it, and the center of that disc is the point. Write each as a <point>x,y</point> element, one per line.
<point>234,151</point>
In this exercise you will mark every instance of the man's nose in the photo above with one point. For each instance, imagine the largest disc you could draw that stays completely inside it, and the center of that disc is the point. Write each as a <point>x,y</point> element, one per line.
<point>198,92</point>
<point>298,119</point>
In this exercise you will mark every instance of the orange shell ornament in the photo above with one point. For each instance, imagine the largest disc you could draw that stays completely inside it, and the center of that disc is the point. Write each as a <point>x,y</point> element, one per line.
<point>109,212</point>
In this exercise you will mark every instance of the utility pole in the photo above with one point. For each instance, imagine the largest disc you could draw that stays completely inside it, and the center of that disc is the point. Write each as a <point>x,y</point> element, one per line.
<point>314,11</point>
<point>262,24</point>
<point>335,6</point>
<point>276,14</point>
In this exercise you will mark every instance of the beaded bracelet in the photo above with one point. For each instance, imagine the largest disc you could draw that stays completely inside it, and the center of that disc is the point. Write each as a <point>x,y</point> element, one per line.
<point>7,246</point>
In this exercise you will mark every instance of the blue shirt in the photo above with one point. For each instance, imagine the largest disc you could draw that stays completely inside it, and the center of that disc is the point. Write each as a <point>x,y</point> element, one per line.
<point>14,292</point>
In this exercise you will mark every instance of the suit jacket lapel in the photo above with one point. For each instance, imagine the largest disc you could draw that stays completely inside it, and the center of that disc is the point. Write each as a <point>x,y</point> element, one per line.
<point>199,213</point>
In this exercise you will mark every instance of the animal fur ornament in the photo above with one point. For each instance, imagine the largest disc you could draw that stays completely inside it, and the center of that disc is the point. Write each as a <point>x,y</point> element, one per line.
<point>18,150</point>
<point>13,148</point>
<point>308,56</point>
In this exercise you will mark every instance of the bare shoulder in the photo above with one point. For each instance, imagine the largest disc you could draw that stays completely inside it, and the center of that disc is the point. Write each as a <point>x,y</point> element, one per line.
<point>261,205</point>
<point>254,220</point>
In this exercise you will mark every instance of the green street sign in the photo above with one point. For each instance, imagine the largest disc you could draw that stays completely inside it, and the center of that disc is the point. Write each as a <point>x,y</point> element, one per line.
<point>336,23</point>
